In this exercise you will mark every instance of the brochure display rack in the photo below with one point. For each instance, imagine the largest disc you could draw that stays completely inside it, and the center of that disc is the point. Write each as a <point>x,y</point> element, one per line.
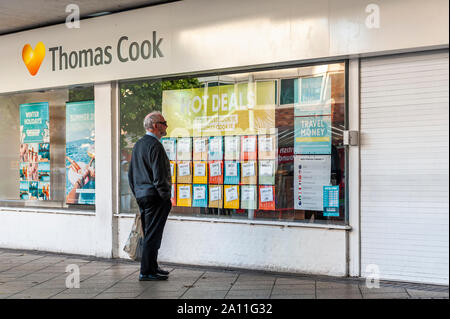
<point>226,172</point>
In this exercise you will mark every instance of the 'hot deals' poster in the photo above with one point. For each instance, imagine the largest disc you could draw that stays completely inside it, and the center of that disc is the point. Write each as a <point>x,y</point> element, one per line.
<point>80,153</point>
<point>34,162</point>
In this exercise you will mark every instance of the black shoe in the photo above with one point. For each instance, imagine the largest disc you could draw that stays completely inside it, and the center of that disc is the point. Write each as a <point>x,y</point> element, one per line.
<point>162,272</point>
<point>152,277</point>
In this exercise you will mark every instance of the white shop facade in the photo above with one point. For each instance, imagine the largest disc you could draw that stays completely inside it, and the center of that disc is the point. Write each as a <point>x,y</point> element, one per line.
<point>302,138</point>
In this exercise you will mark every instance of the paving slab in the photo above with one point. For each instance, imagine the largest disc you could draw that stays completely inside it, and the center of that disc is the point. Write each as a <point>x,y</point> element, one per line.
<point>251,285</point>
<point>387,295</point>
<point>211,287</point>
<point>94,284</point>
<point>218,278</point>
<point>14,274</point>
<point>294,281</point>
<point>118,295</point>
<point>217,274</point>
<point>255,278</point>
<point>36,275</point>
<point>382,289</point>
<point>158,287</point>
<point>294,289</point>
<point>74,296</point>
<point>119,289</point>
<point>179,291</point>
<point>14,287</point>
<point>338,294</point>
<point>78,291</point>
<point>414,293</point>
<point>204,294</point>
<point>249,294</point>
<point>160,295</point>
<point>42,293</point>
<point>343,296</point>
<point>337,285</point>
<point>187,272</point>
<point>310,296</point>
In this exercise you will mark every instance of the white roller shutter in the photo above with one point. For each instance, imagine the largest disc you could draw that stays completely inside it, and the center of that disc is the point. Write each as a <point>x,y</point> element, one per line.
<point>404,166</point>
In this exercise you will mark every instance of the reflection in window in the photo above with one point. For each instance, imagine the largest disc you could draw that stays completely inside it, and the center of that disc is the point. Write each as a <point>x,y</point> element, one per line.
<point>236,153</point>
<point>36,168</point>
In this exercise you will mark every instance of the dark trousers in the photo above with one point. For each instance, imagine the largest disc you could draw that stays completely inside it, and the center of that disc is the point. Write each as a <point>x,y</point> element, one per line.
<point>154,212</point>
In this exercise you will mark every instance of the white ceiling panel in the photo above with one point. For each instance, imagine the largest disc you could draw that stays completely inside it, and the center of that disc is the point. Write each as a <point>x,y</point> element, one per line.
<point>20,15</point>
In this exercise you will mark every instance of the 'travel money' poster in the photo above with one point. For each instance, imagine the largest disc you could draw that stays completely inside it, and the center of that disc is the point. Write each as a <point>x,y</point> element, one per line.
<point>34,163</point>
<point>80,153</point>
<point>312,135</point>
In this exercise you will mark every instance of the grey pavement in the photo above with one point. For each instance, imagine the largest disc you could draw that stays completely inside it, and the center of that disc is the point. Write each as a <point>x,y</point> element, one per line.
<point>42,275</point>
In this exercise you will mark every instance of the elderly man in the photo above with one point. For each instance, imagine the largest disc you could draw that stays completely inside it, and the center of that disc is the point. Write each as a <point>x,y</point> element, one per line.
<point>150,181</point>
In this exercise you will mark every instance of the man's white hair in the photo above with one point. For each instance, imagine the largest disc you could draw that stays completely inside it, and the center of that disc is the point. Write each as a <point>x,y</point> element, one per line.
<point>150,119</point>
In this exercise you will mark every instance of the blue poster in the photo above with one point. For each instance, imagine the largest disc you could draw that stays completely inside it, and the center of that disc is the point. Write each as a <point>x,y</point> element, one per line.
<point>200,195</point>
<point>331,201</point>
<point>312,135</point>
<point>232,173</point>
<point>80,153</point>
<point>34,159</point>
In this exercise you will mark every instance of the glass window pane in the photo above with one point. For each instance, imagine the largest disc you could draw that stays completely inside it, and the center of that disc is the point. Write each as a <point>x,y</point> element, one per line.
<point>287,94</point>
<point>33,160</point>
<point>235,151</point>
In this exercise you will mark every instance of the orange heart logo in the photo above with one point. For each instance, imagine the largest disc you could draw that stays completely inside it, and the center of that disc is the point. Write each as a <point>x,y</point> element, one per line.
<point>33,58</point>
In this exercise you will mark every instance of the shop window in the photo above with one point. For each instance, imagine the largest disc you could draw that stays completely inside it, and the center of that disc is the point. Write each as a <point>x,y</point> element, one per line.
<point>287,95</point>
<point>235,153</point>
<point>48,149</point>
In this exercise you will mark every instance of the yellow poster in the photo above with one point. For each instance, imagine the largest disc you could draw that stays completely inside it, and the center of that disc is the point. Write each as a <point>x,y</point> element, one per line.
<point>200,173</point>
<point>236,109</point>
<point>184,195</point>
<point>231,194</point>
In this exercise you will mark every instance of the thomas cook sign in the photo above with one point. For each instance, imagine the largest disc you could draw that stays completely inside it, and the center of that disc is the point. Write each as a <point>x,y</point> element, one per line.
<point>125,50</point>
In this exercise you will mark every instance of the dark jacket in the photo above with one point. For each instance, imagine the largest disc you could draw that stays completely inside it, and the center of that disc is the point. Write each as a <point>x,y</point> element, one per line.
<point>149,171</point>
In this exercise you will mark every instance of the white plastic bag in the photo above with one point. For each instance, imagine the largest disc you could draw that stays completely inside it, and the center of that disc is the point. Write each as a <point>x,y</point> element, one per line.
<point>134,244</point>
